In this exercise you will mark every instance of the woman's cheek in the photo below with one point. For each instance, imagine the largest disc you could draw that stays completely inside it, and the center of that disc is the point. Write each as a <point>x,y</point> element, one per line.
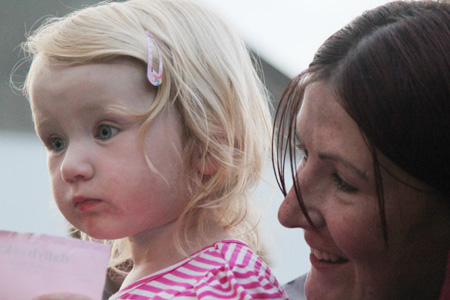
<point>357,234</point>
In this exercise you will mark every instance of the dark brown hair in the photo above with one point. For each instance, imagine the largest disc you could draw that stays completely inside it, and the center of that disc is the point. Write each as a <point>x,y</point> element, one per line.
<point>390,68</point>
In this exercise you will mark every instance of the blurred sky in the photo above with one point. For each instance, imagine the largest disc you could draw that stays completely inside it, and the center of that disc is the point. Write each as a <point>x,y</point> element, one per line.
<point>286,33</point>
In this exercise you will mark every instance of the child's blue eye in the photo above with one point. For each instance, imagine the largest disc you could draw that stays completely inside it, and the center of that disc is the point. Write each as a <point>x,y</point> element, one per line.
<point>57,144</point>
<point>106,132</point>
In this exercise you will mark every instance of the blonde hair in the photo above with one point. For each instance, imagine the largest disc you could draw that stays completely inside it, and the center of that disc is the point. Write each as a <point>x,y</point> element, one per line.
<point>208,77</point>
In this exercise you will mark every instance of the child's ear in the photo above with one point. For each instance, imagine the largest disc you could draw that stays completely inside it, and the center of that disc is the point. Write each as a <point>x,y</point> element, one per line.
<point>205,164</point>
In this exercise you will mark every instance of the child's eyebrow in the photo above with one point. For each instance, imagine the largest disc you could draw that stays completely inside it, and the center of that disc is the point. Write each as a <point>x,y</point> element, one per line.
<point>42,126</point>
<point>41,120</point>
<point>90,107</point>
<point>109,109</point>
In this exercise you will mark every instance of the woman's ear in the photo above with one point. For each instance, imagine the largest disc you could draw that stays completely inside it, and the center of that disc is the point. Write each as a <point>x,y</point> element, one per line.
<point>205,164</point>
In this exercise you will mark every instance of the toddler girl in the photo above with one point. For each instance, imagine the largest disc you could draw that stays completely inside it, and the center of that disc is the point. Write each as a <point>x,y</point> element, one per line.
<point>156,128</point>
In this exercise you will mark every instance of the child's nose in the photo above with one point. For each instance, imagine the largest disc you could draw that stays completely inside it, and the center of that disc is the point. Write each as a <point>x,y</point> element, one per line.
<point>76,165</point>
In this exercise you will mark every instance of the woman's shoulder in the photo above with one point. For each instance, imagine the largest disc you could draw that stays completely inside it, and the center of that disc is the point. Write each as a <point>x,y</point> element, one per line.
<point>296,288</point>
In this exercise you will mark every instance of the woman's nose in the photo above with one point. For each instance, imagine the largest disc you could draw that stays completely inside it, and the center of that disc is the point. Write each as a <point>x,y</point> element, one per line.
<point>76,165</point>
<point>290,213</point>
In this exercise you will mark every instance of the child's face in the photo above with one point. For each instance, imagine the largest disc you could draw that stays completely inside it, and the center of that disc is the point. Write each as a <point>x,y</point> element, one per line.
<point>100,179</point>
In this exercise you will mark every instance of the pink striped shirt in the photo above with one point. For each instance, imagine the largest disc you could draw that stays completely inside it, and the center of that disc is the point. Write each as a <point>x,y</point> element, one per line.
<point>225,270</point>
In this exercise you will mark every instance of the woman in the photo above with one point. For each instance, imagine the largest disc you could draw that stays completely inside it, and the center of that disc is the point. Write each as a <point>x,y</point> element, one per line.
<point>371,120</point>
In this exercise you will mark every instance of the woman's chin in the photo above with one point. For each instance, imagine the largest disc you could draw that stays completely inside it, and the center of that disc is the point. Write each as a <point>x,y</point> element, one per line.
<point>320,287</point>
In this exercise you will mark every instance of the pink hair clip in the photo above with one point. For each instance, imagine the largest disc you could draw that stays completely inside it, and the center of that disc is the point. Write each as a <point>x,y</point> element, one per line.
<point>154,77</point>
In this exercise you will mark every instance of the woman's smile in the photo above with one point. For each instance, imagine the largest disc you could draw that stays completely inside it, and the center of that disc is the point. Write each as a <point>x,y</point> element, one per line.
<point>321,256</point>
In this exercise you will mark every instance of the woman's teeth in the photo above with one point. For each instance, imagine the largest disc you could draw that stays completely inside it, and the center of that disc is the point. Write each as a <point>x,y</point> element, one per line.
<point>323,256</point>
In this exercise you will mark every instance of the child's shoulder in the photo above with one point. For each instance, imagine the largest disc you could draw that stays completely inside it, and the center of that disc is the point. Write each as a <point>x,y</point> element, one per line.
<point>236,270</point>
<point>235,254</point>
<point>227,269</point>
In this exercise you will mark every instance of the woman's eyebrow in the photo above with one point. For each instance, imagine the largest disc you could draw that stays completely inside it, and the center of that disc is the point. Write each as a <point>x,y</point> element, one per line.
<point>337,158</point>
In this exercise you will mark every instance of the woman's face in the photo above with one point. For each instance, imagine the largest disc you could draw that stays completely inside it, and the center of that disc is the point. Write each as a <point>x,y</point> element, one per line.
<point>350,258</point>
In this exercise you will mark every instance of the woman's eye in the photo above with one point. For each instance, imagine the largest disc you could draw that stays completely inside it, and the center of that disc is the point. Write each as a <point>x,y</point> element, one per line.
<point>342,185</point>
<point>57,144</point>
<point>105,132</point>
